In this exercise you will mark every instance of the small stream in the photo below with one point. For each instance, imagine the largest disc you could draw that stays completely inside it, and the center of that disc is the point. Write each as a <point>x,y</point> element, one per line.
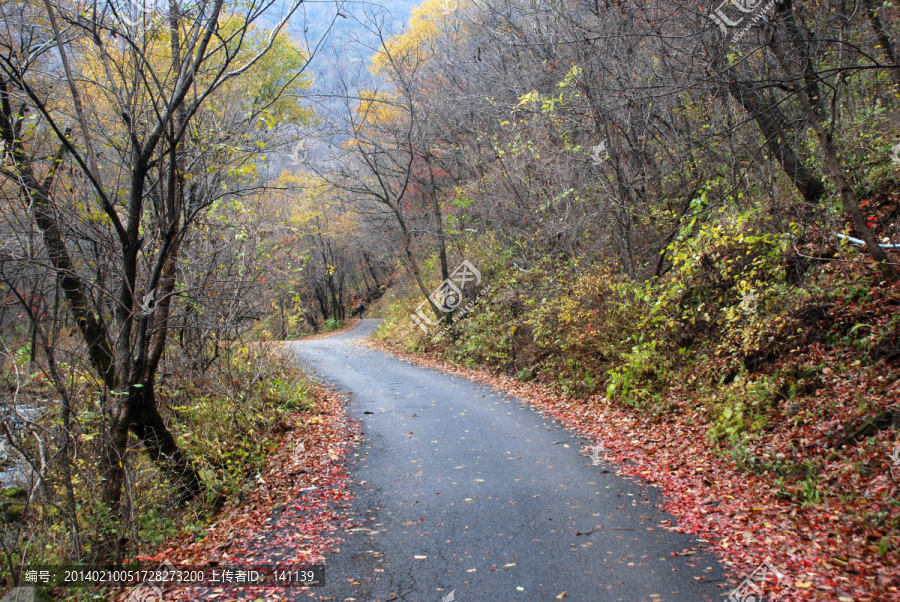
<point>14,472</point>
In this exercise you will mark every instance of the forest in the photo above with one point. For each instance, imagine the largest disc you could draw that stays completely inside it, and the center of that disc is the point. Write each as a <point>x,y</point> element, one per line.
<point>675,215</point>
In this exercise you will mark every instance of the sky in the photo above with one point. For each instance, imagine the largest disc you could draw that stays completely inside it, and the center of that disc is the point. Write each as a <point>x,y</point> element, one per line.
<point>349,42</point>
<point>315,16</point>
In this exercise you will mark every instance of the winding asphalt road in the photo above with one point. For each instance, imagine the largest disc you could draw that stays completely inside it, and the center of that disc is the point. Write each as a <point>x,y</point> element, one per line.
<point>464,491</point>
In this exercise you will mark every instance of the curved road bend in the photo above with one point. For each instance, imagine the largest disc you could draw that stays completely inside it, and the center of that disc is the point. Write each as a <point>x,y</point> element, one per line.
<point>469,492</point>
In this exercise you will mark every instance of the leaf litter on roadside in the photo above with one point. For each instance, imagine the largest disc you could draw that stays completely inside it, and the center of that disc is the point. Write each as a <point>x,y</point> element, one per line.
<point>822,555</point>
<point>284,521</point>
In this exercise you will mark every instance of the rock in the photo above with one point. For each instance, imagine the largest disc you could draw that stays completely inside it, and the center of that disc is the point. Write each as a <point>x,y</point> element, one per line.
<point>17,493</point>
<point>505,296</point>
<point>23,594</point>
<point>13,503</point>
<point>13,512</point>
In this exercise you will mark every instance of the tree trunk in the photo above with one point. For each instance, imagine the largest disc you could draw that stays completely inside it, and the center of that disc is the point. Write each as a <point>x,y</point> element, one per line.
<point>851,206</point>
<point>94,335</point>
<point>147,424</point>
<point>163,312</point>
<point>887,48</point>
<point>371,269</point>
<point>812,104</point>
<point>439,221</point>
<point>413,264</point>
<point>775,128</point>
<point>322,299</point>
<point>365,278</point>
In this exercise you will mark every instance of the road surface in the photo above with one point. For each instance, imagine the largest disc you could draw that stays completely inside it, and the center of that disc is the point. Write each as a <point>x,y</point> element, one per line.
<point>461,490</point>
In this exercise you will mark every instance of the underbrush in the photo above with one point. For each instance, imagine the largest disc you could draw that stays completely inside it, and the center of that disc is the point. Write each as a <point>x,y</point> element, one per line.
<point>786,346</point>
<point>292,324</point>
<point>226,420</point>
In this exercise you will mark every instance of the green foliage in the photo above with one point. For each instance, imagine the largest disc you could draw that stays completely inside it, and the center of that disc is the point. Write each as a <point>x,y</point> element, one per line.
<point>224,420</point>
<point>596,330</point>
<point>634,378</point>
<point>730,424</point>
<point>237,428</point>
<point>23,354</point>
<point>714,336</point>
<point>810,492</point>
